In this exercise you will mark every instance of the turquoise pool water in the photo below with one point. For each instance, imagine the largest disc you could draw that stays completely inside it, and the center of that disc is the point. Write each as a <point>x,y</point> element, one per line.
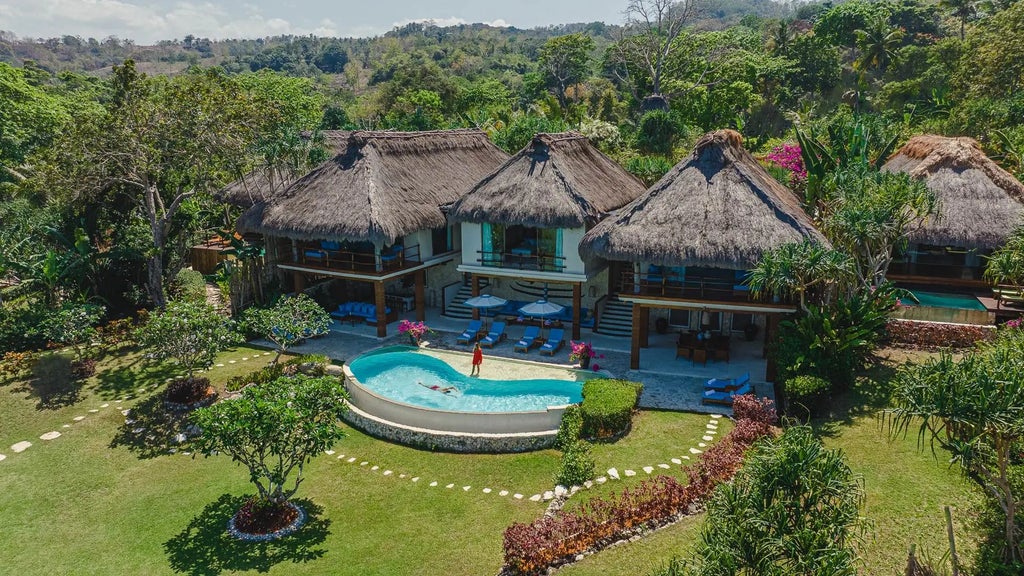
<point>940,300</point>
<point>398,375</point>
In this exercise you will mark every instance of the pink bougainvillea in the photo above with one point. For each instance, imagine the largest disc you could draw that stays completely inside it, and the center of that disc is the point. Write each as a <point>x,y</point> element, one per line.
<point>788,156</point>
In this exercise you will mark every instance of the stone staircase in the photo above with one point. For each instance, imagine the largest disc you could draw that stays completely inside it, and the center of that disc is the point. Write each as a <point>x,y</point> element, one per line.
<point>616,319</point>
<point>457,308</point>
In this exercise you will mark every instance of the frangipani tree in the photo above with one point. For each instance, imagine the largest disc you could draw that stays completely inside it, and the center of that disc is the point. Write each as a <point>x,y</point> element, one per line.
<point>288,322</point>
<point>274,429</point>
<point>190,333</point>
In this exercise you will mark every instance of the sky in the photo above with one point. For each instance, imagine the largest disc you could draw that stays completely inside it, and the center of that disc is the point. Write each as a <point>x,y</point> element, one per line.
<point>147,21</point>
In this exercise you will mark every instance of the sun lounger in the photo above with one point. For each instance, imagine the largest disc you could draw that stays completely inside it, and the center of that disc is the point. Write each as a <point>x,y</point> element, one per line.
<point>528,340</point>
<point>495,335</point>
<point>725,398</point>
<point>469,335</point>
<point>727,384</point>
<point>556,339</point>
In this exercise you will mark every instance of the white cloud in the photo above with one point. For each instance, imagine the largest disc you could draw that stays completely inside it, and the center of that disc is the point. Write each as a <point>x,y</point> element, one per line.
<point>147,22</point>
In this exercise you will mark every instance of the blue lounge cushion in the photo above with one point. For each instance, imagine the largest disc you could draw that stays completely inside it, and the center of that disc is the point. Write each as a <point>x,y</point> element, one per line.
<point>470,332</point>
<point>315,254</point>
<point>330,245</point>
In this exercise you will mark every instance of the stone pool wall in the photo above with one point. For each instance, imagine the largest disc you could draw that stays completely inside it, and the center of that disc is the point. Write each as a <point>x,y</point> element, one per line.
<point>447,441</point>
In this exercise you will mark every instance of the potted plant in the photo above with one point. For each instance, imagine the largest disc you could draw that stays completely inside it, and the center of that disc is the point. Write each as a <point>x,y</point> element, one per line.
<point>415,330</point>
<point>582,352</point>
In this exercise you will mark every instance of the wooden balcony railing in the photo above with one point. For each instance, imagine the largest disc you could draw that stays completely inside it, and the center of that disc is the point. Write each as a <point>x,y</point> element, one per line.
<point>397,258</point>
<point>521,261</point>
<point>685,288</point>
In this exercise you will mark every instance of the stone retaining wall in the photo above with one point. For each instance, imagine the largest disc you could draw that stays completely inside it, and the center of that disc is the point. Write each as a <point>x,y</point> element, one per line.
<point>448,441</point>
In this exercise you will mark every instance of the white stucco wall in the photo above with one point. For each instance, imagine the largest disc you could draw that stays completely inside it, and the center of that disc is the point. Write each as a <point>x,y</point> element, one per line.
<point>471,243</point>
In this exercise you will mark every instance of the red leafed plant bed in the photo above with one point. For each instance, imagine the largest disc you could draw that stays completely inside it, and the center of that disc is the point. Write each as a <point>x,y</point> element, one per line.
<point>83,368</point>
<point>187,393</point>
<point>260,520</point>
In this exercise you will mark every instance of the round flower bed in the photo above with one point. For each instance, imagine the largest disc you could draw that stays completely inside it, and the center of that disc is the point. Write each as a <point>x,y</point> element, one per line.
<point>189,394</point>
<point>257,521</point>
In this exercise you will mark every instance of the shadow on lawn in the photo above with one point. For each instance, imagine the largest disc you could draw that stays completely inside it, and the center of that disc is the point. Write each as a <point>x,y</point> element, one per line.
<point>204,547</point>
<point>869,395</point>
<point>52,383</point>
<point>125,380</point>
<point>150,429</point>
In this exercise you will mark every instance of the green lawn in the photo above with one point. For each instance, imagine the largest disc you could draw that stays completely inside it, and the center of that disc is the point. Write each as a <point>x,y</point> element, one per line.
<point>104,500</point>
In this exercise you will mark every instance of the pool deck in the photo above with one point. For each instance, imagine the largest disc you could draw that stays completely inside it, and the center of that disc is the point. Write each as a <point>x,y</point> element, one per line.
<point>669,383</point>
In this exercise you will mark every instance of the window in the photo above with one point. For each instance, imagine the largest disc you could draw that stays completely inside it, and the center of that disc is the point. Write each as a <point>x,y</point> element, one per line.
<point>441,240</point>
<point>492,243</point>
<point>679,318</point>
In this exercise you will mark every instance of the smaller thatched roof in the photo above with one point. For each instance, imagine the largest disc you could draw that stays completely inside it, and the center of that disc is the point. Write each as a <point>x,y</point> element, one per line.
<point>263,183</point>
<point>718,208</point>
<point>384,186</point>
<point>980,204</point>
<point>556,181</point>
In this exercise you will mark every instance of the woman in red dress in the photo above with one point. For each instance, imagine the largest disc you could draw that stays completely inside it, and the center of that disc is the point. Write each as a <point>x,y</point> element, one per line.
<point>478,359</point>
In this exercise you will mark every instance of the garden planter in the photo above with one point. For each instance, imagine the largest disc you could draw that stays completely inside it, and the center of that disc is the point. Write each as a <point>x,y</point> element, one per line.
<point>585,362</point>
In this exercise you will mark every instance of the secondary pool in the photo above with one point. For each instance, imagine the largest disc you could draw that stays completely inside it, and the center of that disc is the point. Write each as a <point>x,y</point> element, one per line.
<point>406,376</point>
<point>940,300</point>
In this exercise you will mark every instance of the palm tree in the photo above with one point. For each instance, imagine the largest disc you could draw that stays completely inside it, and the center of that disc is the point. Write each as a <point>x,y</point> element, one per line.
<point>964,10</point>
<point>877,42</point>
<point>779,36</point>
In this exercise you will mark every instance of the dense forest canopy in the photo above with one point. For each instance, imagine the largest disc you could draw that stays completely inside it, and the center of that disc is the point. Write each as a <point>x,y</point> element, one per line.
<point>857,74</point>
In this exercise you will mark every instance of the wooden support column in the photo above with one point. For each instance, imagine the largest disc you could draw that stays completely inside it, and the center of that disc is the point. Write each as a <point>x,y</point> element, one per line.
<point>634,349</point>
<point>300,282</point>
<point>420,280</point>
<point>382,317</point>
<point>645,326</point>
<point>771,335</point>
<point>577,300</point>
<point>474,287</point>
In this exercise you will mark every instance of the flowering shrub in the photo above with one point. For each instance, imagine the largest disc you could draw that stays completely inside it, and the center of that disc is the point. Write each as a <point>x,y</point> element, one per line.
<point>1015,323</point>
<point>415,330</point>
<point>581,350</point>
<point>937,334</point>
<point>787,156</point>
<point>552,540</point>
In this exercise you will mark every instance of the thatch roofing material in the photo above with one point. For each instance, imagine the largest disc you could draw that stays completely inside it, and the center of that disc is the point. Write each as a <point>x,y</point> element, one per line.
<point>557,181</point>
<point>263,183</point>
<point>385,185</point>
<point>719,208</point>
<point>980,204</point>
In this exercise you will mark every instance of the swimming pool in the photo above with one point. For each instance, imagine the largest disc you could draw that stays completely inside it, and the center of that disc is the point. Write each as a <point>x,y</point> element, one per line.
<point>406,376</point>
<point>941,300</point>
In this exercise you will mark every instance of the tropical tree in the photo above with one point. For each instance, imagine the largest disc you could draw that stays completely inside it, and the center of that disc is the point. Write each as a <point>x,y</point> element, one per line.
<point>189,332</point>
<point>274,429</point>
<point>565,61</point>
<point>962,10</point>
<point>793,509</point>
<point>288,322</point>
<point>74,325</point>
<point>649,41</point>
<point>972,408</point>
<point>878,42</point>
<point>160,143</point>
<point>1006,265</point>
<point>800,269</point>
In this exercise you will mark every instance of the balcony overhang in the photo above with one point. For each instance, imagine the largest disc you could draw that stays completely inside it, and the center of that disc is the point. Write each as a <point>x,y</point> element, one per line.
<point>717,305</point>
<point>369,276</point>
<point>521,274</point>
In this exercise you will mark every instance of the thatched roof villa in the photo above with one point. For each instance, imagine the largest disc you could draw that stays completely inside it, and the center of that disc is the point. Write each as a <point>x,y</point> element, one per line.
<point>686,243</point>
<point>372,213</point>
<point>263,183</point>
<point>979,205</point>
<point>525,220</point>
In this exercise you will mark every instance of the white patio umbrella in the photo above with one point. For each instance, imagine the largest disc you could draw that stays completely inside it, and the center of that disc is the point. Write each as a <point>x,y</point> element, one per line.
<point>485,302</point>
<point>541,309</point>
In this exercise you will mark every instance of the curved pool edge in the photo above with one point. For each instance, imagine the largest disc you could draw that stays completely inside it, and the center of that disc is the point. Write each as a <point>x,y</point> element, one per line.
<point>445,441</point>
<point>390,410</point>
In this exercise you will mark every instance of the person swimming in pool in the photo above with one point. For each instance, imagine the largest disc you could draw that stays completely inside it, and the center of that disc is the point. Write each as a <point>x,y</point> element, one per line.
<point>437,388</point>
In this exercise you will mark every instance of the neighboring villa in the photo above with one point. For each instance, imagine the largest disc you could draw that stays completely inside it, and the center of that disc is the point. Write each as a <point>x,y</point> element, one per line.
<point>979,205</point>
<point>687,243</point>
<point>523,223</point>
<point>370,217</point>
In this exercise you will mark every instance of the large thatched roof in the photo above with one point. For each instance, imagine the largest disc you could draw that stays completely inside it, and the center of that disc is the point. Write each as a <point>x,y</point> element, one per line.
<point>263,183</point>
<point>557,181</point>
<point>979,203</point>
<point>718,208</point>
<point>385,185</point>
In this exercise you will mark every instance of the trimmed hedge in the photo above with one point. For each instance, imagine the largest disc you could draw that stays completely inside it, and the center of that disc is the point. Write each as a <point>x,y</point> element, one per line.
<point>577,465</point>
<point>189,285</point>
<point>608,406</point>
<point>938,334</point>
<point>570,428</point>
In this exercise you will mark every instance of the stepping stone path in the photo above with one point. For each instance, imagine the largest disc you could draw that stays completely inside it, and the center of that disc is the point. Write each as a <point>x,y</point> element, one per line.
<point>694,451</point>
<point>2,457</point>
<point>350,460</point>
<point>535,498</point>
<point>648,469</point>
<point>706,438</point>
<point>664,466</point>
<point>220,365</point>
<point>375,467</point>
<point>50,435</point>
<point>20,447</point>
<point>66,426</point>
<point>466,488</point>
<point>677,461</point>
<point>104,405</point>
<point>450,486</point>
<point>613,473</point>
<point>549,495</point>
<point>701,445</point>
<point>388,472</point>
<point>486,490</point>
<point>630,473</point>
<point>432,484</point>
<point>503,493</point>
<point>517,496</point>
<point>600,480</point>
<point>78,418</point>
<point>416,479</point>
<point>329,452</point>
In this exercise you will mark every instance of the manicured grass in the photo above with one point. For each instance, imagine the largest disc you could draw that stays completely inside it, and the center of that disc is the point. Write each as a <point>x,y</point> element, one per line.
<point>102,500</point>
